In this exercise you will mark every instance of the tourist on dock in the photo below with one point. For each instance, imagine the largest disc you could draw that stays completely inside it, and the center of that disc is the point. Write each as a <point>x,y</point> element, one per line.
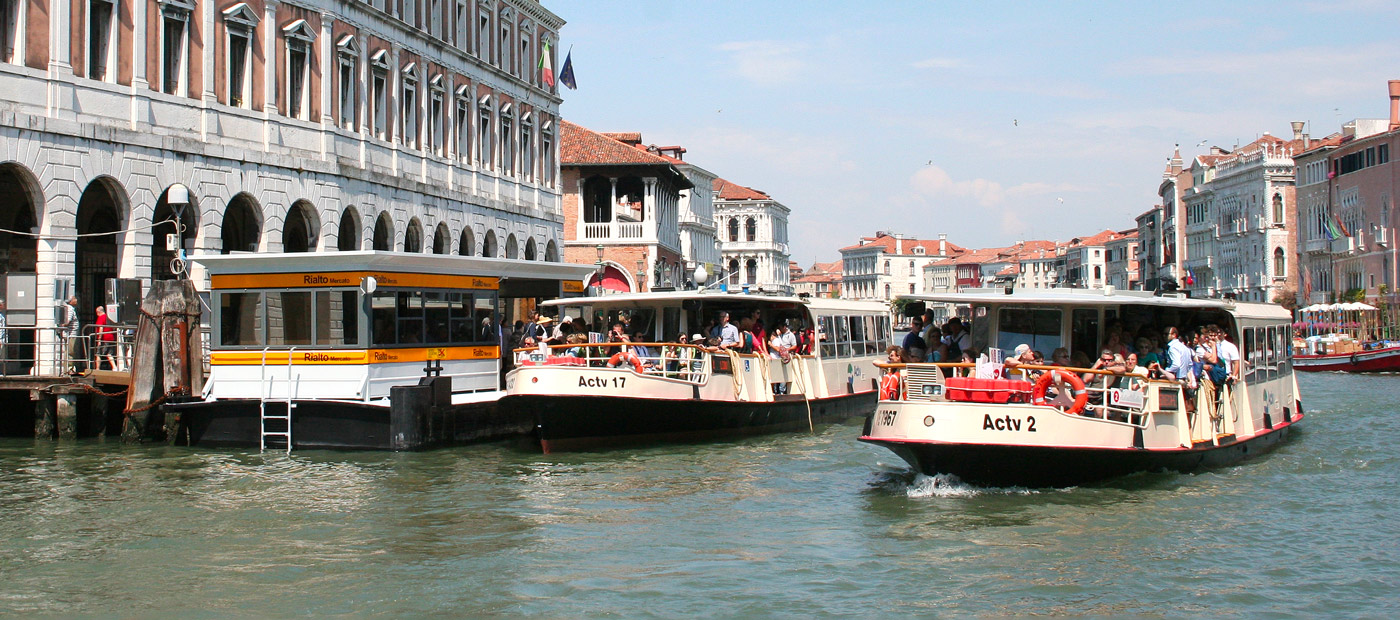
<point>913,342</point>
<point>106,340</point>
<point>68,331</point>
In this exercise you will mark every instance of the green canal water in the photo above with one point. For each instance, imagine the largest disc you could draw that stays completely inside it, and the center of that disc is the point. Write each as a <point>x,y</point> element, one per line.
<point>790,525</point>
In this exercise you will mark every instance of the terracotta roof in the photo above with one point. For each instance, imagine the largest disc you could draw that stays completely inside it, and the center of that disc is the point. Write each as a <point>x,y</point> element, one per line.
<point>1095,239</point>
<point>728,190</point>
<point>630,137</point>
<point>888,243</point>
<point>820,277</point>
<point>581,146</point>
<point>982,255</point>
<point>832,267</point>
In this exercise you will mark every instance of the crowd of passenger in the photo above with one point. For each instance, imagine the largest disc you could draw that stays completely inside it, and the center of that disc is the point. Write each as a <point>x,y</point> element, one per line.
<point>1203,359</point>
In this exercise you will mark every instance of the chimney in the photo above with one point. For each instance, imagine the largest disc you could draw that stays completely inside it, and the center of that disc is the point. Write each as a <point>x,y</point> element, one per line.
<point>1297,130</point>
<point>898,243</point>
<point>1394,105</point>
<point>942,244</point>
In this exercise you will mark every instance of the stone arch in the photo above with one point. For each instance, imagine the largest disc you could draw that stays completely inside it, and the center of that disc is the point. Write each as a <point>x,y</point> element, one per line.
<point>512,247</point>
<point>301,227</point>
<point>750,229</point>
<point>733,229</point>
<point>488,244</point>
<point>164,223</point>
<point>348,239</point>
<point>384,232</point>
<point>413,237</point>
<point>551,252</point>
<point>442,239</point>
<point>530,253</point>
<point>96,256</point>
<point>21,210</point>
<point>467,244</point>
<point>242,227</point>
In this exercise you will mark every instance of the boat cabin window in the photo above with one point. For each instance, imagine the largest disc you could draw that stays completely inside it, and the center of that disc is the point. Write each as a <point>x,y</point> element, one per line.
<point>1037,327</point>
<point>826,326</point>
<point>1084,335</point>
<point>436,317</point>
<point>843,336</point>
<point>289,318</point>
<point>1251,350</point>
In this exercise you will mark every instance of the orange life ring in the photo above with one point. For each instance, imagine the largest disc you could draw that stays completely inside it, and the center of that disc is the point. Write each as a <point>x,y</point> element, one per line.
<point>1076,386</point>
<point>889,386</point>
<point>624,357</point>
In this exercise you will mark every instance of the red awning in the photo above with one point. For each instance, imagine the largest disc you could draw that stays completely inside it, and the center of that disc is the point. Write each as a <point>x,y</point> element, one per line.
<point>612,280</point>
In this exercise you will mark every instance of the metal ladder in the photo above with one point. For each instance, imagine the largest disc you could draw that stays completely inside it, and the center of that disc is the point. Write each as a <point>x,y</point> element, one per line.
<point>265,396</point>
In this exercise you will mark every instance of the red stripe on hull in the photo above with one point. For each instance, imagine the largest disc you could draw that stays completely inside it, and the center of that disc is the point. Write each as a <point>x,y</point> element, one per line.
<point>1380,360</point>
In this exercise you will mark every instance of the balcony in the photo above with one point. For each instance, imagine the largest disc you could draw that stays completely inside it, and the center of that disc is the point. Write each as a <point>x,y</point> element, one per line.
<point>628,232</point>
<point>1344,245</point>
<point>1316,246</point>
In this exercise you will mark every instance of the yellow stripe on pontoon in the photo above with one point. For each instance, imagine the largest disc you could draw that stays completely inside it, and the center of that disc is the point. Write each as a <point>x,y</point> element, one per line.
<point>353,357</point>
<point>351,278</point>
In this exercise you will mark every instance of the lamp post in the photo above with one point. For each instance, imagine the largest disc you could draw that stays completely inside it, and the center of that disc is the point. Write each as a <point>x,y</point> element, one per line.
<point>600,265</point>
<point>641,274</point>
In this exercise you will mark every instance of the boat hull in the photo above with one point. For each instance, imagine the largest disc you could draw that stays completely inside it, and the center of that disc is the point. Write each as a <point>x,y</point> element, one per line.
<point>1049,466</point>
<point>1379,360</point>
<point>346,425</point>
<point>576,422</point>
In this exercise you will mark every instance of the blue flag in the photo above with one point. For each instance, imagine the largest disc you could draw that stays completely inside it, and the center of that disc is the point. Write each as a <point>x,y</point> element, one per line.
<point>566,73</point>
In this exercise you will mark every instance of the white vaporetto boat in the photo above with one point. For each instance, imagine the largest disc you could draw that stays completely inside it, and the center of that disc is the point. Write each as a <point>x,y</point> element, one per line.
<point>1059,431</point>
<point>604,394</point>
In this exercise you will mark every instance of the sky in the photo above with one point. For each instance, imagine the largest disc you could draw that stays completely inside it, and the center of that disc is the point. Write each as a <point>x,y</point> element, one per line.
<point>991,122</point>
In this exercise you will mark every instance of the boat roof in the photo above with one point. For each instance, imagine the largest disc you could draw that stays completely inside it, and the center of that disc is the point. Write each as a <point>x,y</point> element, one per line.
<point>378,260</point>
<point>1099,297</point>
<point>674,296</point>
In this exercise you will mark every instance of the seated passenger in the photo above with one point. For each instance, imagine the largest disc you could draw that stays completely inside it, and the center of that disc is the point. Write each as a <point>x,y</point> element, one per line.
<point>1059,357</point>
<point>1022,356</point>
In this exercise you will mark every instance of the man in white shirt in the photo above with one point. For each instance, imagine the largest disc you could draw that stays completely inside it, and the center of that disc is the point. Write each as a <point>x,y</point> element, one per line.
<point>1229,356</point>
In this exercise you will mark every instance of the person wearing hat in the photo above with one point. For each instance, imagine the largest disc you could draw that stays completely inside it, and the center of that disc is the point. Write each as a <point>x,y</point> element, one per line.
<point>1022,356</point>
<point>562,330</point>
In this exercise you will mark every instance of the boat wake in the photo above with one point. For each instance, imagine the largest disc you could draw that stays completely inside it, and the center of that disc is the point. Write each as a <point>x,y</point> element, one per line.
<point>948,485</point>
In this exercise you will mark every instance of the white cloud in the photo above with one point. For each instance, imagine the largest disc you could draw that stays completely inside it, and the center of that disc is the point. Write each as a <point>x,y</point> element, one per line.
<point>765,62</point>
<point>934,182</point>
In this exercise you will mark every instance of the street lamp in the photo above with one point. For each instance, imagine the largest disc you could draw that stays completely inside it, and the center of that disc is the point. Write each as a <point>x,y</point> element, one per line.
<point>700,276</point>
<point>599,265</point>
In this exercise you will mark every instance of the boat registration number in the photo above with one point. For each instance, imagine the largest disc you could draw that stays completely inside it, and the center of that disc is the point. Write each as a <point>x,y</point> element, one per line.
<point>1008,423</point>
<point>602,382</point>
<point>885,417</point>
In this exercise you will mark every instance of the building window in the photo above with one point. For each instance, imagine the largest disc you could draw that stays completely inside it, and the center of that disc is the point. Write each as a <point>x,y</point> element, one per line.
<point>507,141</point>
<point>750,229</point>
<point>887,267</point>
<point>408,12</point>
<point>299,36</point>
<point>1280,264</point>
<point>733,229</point>
<point>10,15</point>
<point>174,19</point>
<point>887,291</point>
<point>436,25</point>
<point>911,289</point>
<point>525,66</point>
<point>503,48</point>
<point>527,148</point>
<point>100,54</point>
<point>408,106</point>
<point>379,94</point>
<point>239,22</point>
<point>1382,153</point>
<point>1278,210</point>
<point>349,54</point>
<point>751,271</point>
<point>435,114</point>
<point>547,153</point>
<point>483,34</point>
<point>461,138</point>
<point>483,133</point>
<point>462,31</point>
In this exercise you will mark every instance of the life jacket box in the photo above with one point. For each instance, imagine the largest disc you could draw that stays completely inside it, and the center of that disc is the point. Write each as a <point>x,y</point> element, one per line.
<point>995,391</point>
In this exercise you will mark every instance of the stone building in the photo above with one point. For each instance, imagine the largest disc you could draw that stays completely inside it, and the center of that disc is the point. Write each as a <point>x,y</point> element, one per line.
<point>1239,221</point>
<point>822,280</point>
<point>1122,260</point>
<point>753,230</point>
<point>1346,209</point>
<point>622,209</point>
<point>890,264</point>
<point>271,126</point>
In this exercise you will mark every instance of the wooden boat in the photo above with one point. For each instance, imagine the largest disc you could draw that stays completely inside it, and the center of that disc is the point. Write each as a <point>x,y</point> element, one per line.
<point>360,350</point>
<point>1009,431</point>
<point>603,395</point>
<point>1372,357</point>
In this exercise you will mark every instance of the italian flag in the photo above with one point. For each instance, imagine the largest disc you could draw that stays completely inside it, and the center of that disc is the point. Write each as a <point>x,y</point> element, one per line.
<point>546,67</point>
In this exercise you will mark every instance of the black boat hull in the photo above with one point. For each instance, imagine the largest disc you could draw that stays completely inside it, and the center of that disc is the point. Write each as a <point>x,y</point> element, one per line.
<point>570,423</point>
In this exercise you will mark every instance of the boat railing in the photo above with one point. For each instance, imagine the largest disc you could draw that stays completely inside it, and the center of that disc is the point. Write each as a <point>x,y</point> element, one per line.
<point>1112,396</point>
<point>670,360</point>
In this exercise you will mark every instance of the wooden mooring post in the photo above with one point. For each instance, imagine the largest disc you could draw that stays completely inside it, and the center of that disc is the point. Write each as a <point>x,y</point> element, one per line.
<point>165,360</point>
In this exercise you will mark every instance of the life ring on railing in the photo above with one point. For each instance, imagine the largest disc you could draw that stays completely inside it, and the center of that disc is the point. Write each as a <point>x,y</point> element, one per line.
<point>626,357</point>
<point>889,386</point>
<point>1076,386</point>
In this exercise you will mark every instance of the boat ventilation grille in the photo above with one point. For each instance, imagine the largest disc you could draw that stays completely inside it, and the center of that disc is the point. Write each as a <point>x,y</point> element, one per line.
<point>923,383</point>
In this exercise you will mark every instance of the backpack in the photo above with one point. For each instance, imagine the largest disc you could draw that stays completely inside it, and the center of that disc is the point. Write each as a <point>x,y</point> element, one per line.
<point>746,342</point>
